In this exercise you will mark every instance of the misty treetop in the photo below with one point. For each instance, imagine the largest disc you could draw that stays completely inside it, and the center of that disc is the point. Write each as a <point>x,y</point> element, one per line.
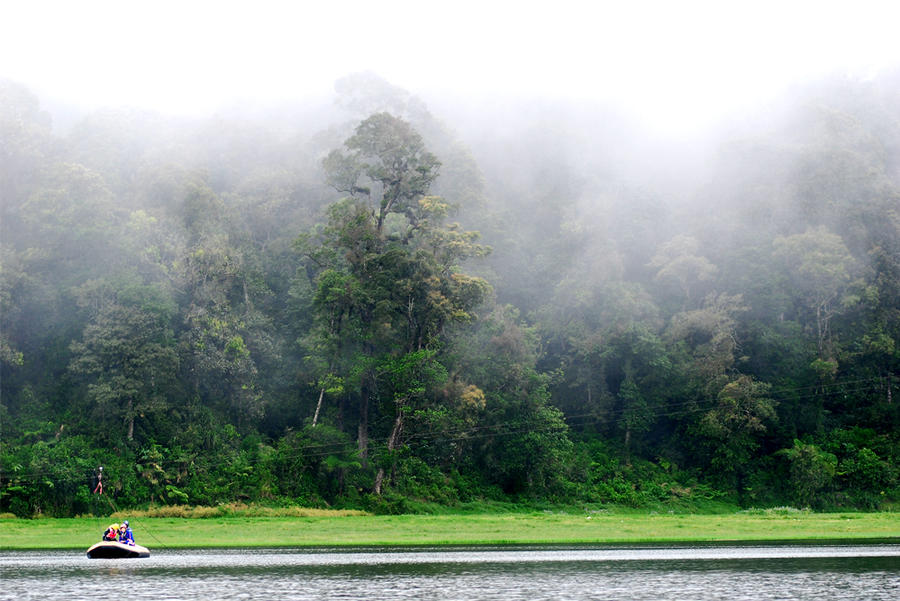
<point>367,306</point>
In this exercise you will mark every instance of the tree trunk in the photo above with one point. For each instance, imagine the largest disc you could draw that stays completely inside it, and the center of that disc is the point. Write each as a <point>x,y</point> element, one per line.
<point>130,419</point>
<point>362,432</point>
<point>318,407</point>
<point>890,382</point>
<point>628,446</point>
<point>820,330</point>
<point>393,439</point>
<point>379,478</point>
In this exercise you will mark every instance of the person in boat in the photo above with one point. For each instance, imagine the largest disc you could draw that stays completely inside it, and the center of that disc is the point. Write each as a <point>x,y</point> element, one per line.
<point>111,533</point>
<point>126,536</point>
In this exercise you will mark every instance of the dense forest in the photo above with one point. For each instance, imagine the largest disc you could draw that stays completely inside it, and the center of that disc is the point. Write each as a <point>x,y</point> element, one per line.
<point>385,304</point>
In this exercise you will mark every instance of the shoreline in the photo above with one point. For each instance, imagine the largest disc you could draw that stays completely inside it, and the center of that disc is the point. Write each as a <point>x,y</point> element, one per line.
<point>456,547</point>
<point>461,530</point>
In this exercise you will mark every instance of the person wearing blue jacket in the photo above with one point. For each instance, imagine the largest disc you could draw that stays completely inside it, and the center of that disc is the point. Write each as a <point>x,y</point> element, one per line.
<point>126,536</point>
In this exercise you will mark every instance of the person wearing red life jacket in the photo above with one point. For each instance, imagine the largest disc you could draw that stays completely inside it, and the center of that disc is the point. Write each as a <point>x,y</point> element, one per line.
<point>111,533</point>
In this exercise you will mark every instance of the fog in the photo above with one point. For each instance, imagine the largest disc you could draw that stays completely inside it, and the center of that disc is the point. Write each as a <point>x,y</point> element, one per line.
<point>674,67</point>
<point>565,112</point>
<point>641,94</point>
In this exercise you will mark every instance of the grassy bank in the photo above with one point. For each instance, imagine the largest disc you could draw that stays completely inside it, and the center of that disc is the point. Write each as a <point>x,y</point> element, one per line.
<point>539,527</point>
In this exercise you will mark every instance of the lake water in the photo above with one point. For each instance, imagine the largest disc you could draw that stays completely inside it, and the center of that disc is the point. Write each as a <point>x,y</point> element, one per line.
<point>833,572</point>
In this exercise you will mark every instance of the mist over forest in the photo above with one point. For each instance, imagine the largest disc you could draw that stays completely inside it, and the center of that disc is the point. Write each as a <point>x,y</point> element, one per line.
<point>394,303</point>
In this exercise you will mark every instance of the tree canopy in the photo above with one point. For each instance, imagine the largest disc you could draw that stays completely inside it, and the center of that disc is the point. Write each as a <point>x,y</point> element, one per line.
<point>381,309</point>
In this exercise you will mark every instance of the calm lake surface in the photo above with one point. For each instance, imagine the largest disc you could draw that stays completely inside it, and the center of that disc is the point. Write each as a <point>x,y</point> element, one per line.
<point>833,572</point>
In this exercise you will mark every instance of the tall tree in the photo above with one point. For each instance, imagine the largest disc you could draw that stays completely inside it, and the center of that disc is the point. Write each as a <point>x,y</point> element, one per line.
<point>820,268</point>
<point>127,358</point>
<point>735,424</point>
<point>679,261</point>
<point>387,162</point>
<point>388,283</point>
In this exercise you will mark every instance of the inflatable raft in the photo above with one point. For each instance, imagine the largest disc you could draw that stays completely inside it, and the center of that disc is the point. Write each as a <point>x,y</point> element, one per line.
<point>115,550</point>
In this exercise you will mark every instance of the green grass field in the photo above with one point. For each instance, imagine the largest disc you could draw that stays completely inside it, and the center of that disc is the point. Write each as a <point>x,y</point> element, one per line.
<point>511,528</point>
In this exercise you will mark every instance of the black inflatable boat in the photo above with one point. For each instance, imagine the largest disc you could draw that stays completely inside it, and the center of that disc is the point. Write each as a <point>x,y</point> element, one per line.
<point>115,550</point>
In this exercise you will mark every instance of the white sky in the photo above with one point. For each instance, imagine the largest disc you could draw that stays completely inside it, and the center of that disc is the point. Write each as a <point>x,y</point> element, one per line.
<point>677,63</point>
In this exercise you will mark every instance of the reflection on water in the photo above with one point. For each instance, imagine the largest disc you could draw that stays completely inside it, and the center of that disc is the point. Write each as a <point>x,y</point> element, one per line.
<point>840,572</point>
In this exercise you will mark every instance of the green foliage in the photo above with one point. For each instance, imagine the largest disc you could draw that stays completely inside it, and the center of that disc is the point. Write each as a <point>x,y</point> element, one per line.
<point>866,473</point>
<point>677,261</point>
<point>811,470</point>
<point>741,415</point>
<point>189,305</point>
<point>52,478</point>
<point>386,151</point>
<point>128,360</point>
<point>820,266</point>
